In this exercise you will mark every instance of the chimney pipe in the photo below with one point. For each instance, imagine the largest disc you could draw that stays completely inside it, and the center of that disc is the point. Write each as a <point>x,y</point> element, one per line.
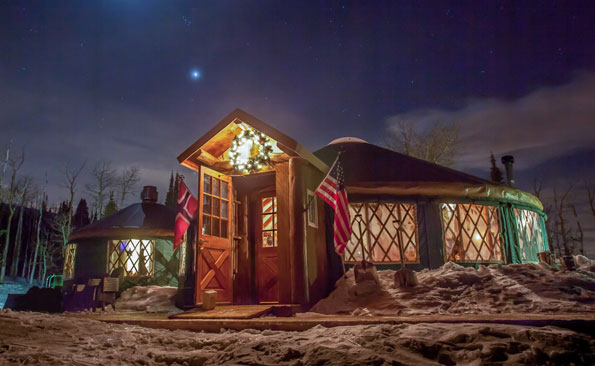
<point>149,194</point>
<point>508,161</point>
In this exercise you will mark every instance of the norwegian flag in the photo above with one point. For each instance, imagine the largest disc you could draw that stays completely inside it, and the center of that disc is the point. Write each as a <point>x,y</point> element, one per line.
<point>332,191</point>
<point>186,207</point>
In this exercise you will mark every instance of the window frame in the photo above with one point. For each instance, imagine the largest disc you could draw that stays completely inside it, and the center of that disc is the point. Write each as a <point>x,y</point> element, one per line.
<point>151,274</point>
<point>312,207</point>
<point>413,239</point>
<point>500,236</point>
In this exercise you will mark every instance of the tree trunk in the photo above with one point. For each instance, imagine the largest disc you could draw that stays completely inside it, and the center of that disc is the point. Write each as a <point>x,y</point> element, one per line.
<point>6,245</point>
<point>37,243</point>
<point>14,267</point>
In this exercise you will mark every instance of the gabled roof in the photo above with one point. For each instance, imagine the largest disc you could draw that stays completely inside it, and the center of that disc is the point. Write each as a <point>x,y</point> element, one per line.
<point>208,149</point>
<point>138,221</point>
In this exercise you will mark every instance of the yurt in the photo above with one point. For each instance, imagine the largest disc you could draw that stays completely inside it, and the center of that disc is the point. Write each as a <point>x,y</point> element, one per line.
<point>135,242</point>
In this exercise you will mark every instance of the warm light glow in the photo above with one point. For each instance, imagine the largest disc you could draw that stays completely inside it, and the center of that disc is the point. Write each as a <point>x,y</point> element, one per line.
<point>250,151</point>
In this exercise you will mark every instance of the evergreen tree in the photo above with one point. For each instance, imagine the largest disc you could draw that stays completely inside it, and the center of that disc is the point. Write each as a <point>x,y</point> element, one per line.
<point>177,189</point>
<point>81,216</point>
<point>111,206</point>
<point>495,172</point>
<point>170,199</point>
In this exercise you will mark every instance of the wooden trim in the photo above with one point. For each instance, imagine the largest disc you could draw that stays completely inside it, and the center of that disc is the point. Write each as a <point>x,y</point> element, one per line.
<point>121,233</point>
<point>285,143</point>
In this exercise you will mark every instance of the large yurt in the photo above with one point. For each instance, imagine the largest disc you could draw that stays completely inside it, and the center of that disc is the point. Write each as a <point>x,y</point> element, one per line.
<point>135,242</point>
<point>435,213</point>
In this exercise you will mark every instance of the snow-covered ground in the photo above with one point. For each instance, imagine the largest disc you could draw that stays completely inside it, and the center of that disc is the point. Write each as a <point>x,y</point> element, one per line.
<point>19,286</point>
<point>452,289</point>
<point>152,299</point>
<point>42,339</point>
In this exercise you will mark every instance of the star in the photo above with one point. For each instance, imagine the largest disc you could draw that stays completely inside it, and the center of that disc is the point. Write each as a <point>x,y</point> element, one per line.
<point>195,74</point>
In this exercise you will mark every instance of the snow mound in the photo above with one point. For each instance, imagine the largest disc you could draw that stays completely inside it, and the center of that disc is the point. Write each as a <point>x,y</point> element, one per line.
<point>42,339</point>
<point>152,299</point>
<point>454,289</point>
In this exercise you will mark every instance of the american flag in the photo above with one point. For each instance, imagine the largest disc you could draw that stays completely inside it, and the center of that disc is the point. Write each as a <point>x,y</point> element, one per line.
<point>186,207</point>
<point>332,191</point>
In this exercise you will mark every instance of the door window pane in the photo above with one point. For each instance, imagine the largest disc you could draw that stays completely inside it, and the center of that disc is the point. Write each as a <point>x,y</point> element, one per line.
<point>224,192</point>
<point>267,222</point>
<point>215,187</point>
<point>215,207</point>
<point>207,184</point>
<point>216,231</point>
<point>206,225</point>
<point>206,204</point>
<point>224,209</point>
<point>224,228</point>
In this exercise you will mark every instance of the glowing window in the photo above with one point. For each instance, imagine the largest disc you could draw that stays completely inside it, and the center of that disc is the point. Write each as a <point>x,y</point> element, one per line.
<point>69,258</point>
<point>215,207</point>
<point>182,256</point>
<point>375,228</point>
<point>471,233</point>
<point>135,256</point>
<point>531,240</point>
<point>269,222</point>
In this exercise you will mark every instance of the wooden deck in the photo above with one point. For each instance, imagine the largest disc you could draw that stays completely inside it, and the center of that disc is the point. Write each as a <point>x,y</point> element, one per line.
<point>584,323</point>
<point>238,312</point>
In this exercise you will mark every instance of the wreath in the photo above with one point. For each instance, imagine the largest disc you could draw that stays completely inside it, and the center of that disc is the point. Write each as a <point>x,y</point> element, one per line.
<point>250,151</point>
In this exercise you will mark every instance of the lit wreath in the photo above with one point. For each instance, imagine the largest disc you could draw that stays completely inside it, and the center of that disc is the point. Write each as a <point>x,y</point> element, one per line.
<point>250,151</point>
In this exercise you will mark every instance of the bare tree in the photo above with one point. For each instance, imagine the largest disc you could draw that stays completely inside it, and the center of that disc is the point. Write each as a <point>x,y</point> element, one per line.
<point>27,191</point>
<point>563,230</point>
<point>591,194</point>
<point>71,176</point>
<point>14,163</point>
<point>127,182</point>
<point>580,235</point>
<point>436,144</point>
<point>103,178</point>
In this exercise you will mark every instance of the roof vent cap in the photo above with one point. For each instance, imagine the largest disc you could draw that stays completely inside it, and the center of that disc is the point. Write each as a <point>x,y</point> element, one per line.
<point>342,140</point>
<point>149,194</point>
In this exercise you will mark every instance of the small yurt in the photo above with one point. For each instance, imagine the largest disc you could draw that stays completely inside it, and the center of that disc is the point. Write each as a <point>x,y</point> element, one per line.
<point>435,213</point>
<point>135,242</point>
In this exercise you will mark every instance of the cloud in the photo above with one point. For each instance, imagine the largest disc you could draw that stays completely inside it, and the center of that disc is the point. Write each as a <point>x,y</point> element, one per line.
<point>66,127</point>
<point>546,123</point>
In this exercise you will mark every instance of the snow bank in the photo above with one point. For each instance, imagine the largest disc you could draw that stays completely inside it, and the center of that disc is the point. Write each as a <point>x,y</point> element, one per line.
<point>453,289</point>
<point>153,299</point>
<point>42,339</point>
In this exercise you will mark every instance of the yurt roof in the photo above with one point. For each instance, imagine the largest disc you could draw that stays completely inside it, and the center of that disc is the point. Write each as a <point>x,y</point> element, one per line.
<point>139,220</point>
<point>374,170</point>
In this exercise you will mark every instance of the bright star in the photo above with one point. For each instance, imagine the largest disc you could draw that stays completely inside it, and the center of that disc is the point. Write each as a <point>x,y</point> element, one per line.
<point>194,74</point>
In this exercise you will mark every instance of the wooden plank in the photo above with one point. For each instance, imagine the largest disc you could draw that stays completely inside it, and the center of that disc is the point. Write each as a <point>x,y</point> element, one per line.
<point>283,251</point>
<point>226,312</point>
<point>296,231</point>
<point>578,322</point>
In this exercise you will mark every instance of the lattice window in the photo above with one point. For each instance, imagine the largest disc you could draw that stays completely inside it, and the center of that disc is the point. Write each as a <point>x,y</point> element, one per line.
<point>215,207</point>
<point>531,240</point>
<point>135,256</point>
<point>269,222</point>
<point>69,258</point>
<point>471,233</point>
<point>374,233</point>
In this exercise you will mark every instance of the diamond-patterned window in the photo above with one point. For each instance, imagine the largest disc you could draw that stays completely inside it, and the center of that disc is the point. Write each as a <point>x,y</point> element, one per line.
<point>374,233</point>
<point>531,240</point>
<point>471,233</point>
<point>269,222</point>
<point>135,256</point>
<point>69,258</point>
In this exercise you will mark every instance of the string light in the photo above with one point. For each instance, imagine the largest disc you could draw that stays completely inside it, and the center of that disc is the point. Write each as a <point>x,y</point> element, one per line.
<point>242,147</point>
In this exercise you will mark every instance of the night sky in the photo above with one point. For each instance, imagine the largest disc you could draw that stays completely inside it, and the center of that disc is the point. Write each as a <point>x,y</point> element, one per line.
<point>138,81</point>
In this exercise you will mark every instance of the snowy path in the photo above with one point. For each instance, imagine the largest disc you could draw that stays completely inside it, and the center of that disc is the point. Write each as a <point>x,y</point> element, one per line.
<point>41,339</point>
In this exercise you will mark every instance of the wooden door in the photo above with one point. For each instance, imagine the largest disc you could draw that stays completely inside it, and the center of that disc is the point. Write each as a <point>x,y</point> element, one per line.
<point>267,264</point>
<point>214,236</point>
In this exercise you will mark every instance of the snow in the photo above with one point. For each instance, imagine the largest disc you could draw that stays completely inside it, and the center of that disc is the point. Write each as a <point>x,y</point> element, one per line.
<point>453,289</point>
<point>152,299</point>
<point>42,339</point>
<point>19,286</point>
